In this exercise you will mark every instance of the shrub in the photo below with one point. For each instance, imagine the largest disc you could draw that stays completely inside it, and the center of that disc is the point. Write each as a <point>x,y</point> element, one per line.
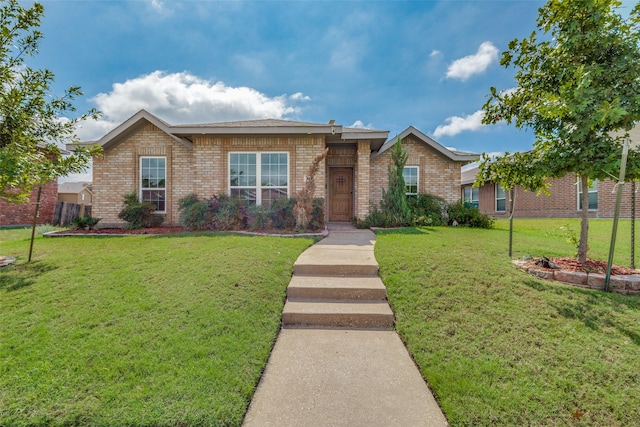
<point>317,214</point>
<point>138,214</point>
<point>281,213</point>
<point>259,218</point>
<point>461,213</point>
<point>376,218</point>
<point>427,209</point>
<point>195,214</point>
<point>229,213</point>
<point>84,223</point>
<point>394,199</point>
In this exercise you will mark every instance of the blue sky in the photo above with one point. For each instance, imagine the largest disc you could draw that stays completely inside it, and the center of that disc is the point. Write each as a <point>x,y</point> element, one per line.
<point>378,64</point>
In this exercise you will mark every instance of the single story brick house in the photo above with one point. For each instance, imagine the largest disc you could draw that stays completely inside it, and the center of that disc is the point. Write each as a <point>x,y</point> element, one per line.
<point>564,201</point>
<point>261,160</point>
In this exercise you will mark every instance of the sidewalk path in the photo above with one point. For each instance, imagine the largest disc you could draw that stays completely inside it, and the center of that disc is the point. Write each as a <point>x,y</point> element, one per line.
<point>328,369</point>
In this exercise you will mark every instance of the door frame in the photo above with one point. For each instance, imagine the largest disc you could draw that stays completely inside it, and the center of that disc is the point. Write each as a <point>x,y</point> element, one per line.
<point>330,192</point>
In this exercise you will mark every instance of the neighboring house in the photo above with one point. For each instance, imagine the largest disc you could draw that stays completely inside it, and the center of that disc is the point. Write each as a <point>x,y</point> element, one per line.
<point>75,192</point>
<point>564,201</point>
<point>261,160</point>
<point>23,214</point>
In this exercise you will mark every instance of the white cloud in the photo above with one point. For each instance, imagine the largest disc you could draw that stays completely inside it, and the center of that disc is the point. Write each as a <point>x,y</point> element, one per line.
<point>456,125</point>
<point>435,54</point>
<point>181,98</point>
<point>299,96</point>
<point>359,124</point>
<point>464,68</point>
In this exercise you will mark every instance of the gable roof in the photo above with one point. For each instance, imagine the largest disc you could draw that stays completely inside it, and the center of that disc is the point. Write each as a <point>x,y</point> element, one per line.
<point>456,156</point>
<point>183,133</point>
<point>134,123</point>
<point>74,187</point>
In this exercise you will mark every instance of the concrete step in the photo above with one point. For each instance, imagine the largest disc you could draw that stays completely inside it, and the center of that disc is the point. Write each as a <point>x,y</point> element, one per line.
<point>340,288</point>
<point>333,269</point>
<point>338,314</point>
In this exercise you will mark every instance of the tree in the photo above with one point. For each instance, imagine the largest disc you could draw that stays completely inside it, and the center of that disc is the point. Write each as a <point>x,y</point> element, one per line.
<point>32,122</point>
<point>303,208</point>
<point>394,199</point>
<point>578,89</point>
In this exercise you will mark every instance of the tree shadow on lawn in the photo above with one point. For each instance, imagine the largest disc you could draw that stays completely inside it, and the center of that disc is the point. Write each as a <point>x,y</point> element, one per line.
<point>18,276</point>
<point>595,309</point>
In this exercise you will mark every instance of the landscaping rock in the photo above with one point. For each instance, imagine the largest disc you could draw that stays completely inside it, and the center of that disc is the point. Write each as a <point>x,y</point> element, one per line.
<point>574,277</point>
<point>633,283</point>
<point>596,281</point>
<point>543,274</point>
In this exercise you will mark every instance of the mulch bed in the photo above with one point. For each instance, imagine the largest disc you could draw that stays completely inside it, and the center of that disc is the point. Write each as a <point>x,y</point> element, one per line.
<point>590,266</point>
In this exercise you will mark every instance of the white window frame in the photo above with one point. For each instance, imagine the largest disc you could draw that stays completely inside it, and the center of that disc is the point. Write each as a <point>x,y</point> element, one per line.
<point>258,187</point>
<point>473,191</point>
<point>498,188</point>
<point>141,188</point>
<point>593,189</point>
<point>417,168</point>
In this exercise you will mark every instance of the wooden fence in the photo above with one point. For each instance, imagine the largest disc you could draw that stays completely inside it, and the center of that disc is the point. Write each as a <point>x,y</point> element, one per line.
<point>66,212</point>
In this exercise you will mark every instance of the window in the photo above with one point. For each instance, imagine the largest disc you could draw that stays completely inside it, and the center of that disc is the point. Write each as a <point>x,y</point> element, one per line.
<point>471,196</point>
<point>153,174</point>
<point>593,196</point>
<point>410,174</point>
<point>259,178</point>
<point>501,199</point>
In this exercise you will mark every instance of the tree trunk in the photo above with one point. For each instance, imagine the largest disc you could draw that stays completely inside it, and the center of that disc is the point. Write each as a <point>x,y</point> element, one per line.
<point>584,220</point>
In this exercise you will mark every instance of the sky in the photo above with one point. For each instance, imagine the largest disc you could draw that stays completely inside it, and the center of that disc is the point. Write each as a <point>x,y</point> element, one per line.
<point>383,65</point>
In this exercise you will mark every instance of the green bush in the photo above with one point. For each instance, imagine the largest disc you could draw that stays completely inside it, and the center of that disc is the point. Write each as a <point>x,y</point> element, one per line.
<point>139,214</point>
<point>465,214</point>
<point>317,214</point>
<point>86,222</point>
<point>195,214</point>
<point>376,218</point>
<point>427,210</point>
<point>281,213</point>
<point>229,213</point>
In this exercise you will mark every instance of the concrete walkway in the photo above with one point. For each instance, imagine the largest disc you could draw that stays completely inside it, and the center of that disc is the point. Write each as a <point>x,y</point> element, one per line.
<point>337,361</point>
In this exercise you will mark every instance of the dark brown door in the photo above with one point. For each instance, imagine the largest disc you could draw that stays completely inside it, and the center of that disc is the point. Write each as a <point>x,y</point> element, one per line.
<point>340,194</point>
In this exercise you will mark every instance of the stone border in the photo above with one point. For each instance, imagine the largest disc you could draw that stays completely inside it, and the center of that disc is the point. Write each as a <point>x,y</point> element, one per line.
<point>321,234</point>
<point>622,284</point>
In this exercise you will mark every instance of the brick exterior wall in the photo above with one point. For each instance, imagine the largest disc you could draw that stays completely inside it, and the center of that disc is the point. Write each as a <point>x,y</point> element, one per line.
<point>362,180</point>
<point>437,175</point>
<point>23,214</point>
<point>562,203</point>
<point>201,169</point>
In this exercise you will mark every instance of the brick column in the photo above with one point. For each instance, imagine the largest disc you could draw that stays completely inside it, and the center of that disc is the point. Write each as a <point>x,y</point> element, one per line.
<point>362,179</point>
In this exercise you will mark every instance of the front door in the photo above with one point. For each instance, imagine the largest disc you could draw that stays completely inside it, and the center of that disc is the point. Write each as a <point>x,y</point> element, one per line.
<point>340,194</point>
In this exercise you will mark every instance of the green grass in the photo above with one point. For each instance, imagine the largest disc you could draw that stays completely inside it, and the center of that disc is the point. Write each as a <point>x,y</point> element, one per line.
<point>502,348</point>
<point>540,237</point>
<point>138,331</point>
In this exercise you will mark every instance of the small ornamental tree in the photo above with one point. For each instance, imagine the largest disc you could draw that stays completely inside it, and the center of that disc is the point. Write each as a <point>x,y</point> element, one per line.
<point>578,89</point>
<point>394,200</point>
<point>31,120</point>
<point>303,209</point>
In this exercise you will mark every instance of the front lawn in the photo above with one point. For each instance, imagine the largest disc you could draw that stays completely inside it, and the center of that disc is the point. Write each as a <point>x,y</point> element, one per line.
<point>144,330</point>
<point>502,348</point>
